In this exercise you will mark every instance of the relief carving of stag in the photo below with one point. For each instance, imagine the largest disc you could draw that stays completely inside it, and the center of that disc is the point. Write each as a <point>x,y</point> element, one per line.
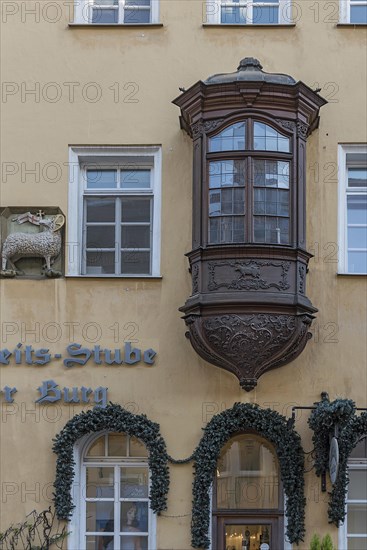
<point>46,244</point>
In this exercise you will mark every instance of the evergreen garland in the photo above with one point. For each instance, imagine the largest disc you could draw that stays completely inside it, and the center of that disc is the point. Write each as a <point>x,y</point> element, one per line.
<point>275,428</point>
<point>351,428</point>
<point>323,421</point>
<point>241,417</point>
<point>114,419</point>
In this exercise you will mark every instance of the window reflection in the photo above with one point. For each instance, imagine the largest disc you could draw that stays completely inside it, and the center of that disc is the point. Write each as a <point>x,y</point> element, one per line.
<point>247,474</point>
<point>230,139</point>
<point>268,139</point>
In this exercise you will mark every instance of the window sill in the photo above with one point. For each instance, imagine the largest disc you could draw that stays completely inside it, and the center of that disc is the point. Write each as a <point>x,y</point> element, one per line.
<point>249,26</point>
<point>116,277</point>
<point>114,25</point>
<point>351,25</point>
<point>352,274</point>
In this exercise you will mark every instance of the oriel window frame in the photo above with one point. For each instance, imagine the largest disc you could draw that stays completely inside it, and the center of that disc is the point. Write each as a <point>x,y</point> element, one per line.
<point>248,155</point>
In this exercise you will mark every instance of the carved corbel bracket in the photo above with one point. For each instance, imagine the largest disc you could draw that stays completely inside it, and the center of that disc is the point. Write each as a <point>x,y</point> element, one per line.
<point>248,345</point>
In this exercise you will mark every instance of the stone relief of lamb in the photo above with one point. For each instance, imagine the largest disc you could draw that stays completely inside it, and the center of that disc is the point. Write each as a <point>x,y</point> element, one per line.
<point>45,244</point>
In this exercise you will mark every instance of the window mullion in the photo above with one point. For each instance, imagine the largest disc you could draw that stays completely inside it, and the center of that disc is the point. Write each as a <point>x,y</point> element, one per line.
<point>151,233</point>
<point>284,16</point>
<point>342,169</point>
<point>90,11</point>
<point>249,12</point>
<point>215,17</point>
<point>118,231</point>
<point>84,237</point>
<point>249,194</point>
<point>154,11</point>
<point>344,11</point>
<point>83,506</point>
<point>249,183</point>
<point>121,5</point>
<point>117,506</point>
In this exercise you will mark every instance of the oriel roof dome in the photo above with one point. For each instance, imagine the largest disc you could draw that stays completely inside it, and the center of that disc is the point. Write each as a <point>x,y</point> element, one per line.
<point>250,70</point>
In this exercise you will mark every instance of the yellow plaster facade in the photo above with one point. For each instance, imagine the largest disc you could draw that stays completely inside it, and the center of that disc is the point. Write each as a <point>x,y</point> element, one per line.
<point>181,392</point>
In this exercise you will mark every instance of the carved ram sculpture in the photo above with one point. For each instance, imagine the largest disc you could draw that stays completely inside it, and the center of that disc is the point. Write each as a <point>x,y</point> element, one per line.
<point>46,244</point>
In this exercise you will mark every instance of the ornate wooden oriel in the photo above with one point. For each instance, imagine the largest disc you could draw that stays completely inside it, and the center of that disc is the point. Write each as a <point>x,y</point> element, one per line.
<point>248,312</point>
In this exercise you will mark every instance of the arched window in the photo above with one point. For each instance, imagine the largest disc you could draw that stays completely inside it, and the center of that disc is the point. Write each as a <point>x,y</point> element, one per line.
<point>354,531</point>
<point>247,500</point>
<point>249,190</point>
<point>114,505</point>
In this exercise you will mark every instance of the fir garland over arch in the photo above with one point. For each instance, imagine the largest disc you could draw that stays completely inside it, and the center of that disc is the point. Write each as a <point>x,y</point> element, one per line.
<point>114,419</point>
<point>275,428</point>
<point>324,419</point>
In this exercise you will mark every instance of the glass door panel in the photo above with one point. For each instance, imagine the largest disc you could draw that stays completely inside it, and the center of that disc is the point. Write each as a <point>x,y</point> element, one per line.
<point>248,537</point>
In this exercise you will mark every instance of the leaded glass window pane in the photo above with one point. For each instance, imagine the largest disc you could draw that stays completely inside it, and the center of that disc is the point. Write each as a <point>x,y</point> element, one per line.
<point>226,173</point>
<point>271,173</point>
<point>226,201</point>
<point>230,139</point>
<point>268,139</point>
<point>226,229</point>
<point>271,230</point>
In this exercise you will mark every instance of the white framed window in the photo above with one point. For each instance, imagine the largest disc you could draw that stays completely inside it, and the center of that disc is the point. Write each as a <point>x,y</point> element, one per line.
<point>116,12</point>
<point>111,495</point>
<point>353,12</point>
<point>352,171</point>
<point>114,211</point>
<point>353,533</point>
<point>248,12</point>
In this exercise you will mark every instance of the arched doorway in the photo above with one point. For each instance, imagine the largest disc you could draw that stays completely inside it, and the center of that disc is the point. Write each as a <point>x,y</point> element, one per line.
<point>248,511</point>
